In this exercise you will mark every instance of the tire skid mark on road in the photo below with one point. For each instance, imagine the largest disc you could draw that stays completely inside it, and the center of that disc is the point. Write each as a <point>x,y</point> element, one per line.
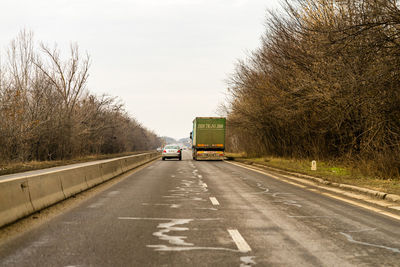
<point>282,199</point>
<point>362,230</point>
<point>351,240</point>
<point>178,189</point>
<point>31,249</point>
<point>178,242</point>
<point>247,261</point>
<point>178,194</point>
<point>206,209</point>
<point>113,193</point>
<point>262,192</point>
<point>197,199</point>
<point>167,248</point>
<point>189,186</point>
<point>288,202</point>
<point>261,186</point>
<point>172,206</point>
<point>279,193</point>
<point>172,226</point>
<point>264,189</point>
<point>309,216</point>
<point>99,203</point>
<point>165,219</point>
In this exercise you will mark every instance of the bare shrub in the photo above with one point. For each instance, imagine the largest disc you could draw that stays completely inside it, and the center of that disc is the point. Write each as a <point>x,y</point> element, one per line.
<point>324,84</point>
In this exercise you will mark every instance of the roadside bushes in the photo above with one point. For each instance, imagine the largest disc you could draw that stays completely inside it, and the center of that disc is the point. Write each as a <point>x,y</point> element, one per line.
<point>47,113</point>
<point>324,84</point>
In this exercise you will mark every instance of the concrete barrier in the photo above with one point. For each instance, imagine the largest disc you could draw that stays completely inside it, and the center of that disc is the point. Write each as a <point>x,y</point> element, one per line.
<point>14,200</point>
<point>129,163</point>
<point>133,162</point>
<point>93,175</point>
<point>110,169</point>
<point>45,190</point>
<point>73,181</point>
<point>20,197</point>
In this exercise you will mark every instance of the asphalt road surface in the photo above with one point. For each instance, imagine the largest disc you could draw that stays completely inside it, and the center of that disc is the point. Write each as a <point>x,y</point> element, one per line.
<point>204,213</point>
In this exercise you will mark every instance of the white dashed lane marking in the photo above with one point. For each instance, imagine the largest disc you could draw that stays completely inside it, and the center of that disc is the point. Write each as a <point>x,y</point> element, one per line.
<point>214,201</point>
<point>239,240</point>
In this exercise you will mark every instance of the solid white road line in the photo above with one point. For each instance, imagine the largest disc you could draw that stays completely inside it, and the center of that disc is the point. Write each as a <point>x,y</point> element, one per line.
<point>239,240</point>
<point>214,201</point>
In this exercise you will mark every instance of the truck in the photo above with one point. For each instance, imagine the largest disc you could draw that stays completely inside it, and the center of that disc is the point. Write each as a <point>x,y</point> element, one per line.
<point>208,138</point>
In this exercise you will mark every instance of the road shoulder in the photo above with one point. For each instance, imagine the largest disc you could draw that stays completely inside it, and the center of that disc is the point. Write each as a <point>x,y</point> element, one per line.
<point>389,202</point>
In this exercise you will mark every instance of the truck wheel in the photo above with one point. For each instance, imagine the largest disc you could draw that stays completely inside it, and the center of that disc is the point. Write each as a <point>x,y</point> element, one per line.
<point>163,158</point>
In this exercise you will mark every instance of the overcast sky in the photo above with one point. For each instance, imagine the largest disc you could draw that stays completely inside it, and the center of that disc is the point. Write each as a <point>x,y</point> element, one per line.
<point>166,59</point>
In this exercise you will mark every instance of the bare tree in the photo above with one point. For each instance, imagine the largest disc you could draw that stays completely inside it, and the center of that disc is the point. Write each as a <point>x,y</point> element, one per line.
<point>48,113</point>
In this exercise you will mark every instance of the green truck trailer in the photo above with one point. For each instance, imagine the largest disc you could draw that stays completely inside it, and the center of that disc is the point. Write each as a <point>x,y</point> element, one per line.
<point>208,138</point>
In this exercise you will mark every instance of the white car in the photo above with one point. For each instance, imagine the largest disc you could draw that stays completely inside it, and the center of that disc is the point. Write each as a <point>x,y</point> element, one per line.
<point>172,151</point>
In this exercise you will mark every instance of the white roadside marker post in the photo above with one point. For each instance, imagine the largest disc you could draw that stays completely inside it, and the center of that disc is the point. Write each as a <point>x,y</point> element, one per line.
<point>313,165</point>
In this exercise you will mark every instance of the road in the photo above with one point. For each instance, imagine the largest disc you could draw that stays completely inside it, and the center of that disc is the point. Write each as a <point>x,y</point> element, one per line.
<point>197,213</point>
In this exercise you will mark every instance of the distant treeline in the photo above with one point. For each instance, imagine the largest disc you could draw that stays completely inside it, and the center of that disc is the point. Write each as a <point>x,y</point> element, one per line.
<point>47,113</point>
<point>325,84</point>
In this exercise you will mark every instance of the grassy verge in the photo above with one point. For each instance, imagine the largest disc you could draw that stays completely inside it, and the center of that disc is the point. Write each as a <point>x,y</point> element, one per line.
<point>16,167</point>
<point>331,171</point>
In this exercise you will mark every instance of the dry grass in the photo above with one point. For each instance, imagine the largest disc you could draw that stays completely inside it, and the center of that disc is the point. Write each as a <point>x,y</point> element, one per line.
<point>331,171</point>
<point>16,167</point>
